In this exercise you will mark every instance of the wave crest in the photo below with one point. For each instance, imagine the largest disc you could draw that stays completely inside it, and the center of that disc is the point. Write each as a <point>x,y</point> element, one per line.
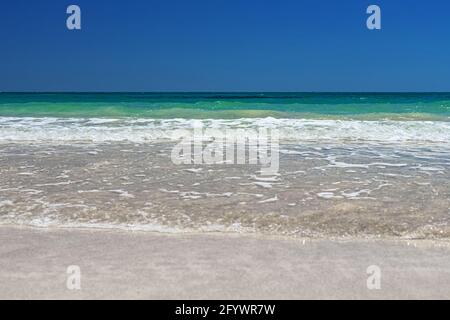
<point>144,130</point>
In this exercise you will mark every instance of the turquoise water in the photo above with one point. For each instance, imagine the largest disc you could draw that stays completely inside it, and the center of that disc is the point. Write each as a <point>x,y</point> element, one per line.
<point>365,106</point>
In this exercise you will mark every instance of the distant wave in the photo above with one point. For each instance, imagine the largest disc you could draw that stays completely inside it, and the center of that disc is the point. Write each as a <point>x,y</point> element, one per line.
<point>338,106</point>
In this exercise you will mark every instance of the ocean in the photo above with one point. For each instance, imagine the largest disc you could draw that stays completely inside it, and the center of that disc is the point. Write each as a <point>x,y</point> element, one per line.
<point>360,106</point>
<point>350,164</point>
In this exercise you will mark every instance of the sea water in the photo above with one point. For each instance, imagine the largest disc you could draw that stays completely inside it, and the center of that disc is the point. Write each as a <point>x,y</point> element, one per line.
<point>351,164</point>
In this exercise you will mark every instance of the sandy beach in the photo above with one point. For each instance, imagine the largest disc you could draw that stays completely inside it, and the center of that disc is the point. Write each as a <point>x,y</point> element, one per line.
<point>137,265</point>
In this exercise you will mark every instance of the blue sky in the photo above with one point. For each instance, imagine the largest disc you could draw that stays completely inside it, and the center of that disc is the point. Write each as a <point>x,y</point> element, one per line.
<point>226,45</point>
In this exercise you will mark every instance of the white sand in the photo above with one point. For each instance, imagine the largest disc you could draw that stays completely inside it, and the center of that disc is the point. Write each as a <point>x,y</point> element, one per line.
<point>116,264</point>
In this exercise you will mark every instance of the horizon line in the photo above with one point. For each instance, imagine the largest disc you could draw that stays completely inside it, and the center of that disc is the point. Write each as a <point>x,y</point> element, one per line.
<point>234,92</point>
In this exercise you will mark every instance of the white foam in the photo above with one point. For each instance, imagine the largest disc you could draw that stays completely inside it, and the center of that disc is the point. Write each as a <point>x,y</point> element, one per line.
<point>274,199</point>
<point>328,195</point>
<point>194,170</point>
<point>145,130</point>
<point>265,179</point>
<point>6,203</point>
<point>123,193</point>
<point>264,185</point>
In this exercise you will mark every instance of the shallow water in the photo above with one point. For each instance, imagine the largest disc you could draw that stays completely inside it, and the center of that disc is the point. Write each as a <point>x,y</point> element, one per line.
<point>322,190</point>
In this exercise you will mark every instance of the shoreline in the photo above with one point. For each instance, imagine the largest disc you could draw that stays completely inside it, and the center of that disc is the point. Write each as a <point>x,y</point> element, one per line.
<point>146,265</point>
<point>428,242</point>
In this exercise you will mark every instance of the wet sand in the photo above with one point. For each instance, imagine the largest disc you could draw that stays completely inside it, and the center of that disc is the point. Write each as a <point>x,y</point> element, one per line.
<point>129,265</point>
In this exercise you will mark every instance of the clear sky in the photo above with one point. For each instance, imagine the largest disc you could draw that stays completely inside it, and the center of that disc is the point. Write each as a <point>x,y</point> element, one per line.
<point>226,45</point>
